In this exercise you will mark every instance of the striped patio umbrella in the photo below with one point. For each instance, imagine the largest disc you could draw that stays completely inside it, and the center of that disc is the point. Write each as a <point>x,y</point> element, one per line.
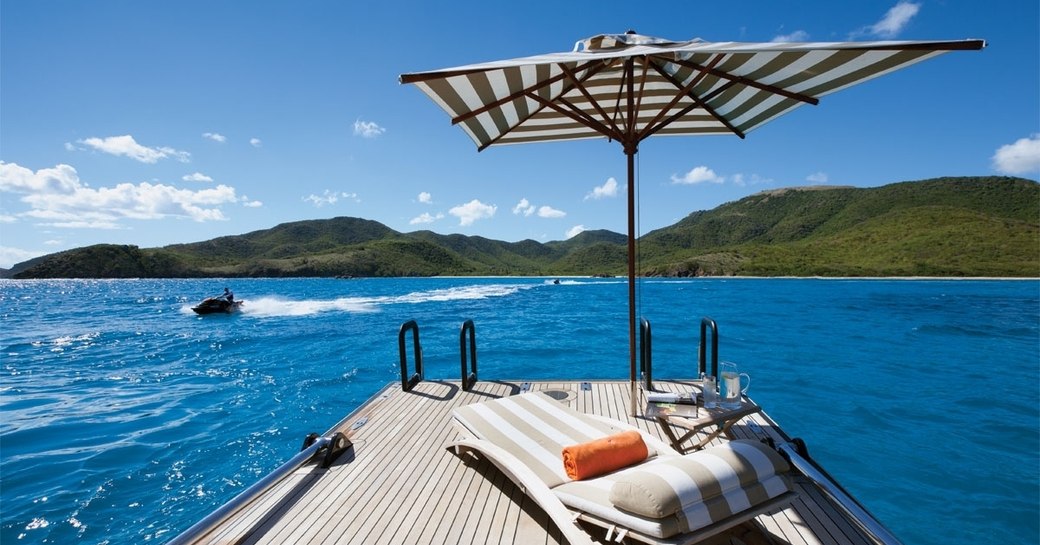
<point>628,87</point>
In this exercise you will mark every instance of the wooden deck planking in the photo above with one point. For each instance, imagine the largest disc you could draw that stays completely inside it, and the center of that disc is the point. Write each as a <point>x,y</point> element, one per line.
<point>400,485</point>
<point>402,494</point>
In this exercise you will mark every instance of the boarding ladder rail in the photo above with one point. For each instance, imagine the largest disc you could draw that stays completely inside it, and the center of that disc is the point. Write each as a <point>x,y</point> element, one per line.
<point>468,364</point>
<point>646,365</point>
<point>332,445</point>
<point>407,383</point>
<point>708,323</point>
<point>646,351</point>
<point>469,376</point>
<point>797,455</point>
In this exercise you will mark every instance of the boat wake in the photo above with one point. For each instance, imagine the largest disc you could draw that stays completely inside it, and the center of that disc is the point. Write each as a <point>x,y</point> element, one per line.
<point>279,306</point>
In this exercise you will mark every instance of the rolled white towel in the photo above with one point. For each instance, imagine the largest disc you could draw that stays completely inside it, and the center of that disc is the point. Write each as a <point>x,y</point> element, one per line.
<point>662,397</point>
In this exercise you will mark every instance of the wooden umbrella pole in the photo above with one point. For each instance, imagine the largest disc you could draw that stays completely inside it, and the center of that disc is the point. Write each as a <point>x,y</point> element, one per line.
<point>631,144</point>
<point>630,154</point>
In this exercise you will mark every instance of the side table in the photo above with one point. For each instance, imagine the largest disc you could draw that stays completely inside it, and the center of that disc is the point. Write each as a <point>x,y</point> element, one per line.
<point>690,426</point>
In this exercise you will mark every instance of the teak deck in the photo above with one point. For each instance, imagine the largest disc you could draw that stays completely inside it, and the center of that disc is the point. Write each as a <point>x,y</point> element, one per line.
<point>399,484</point>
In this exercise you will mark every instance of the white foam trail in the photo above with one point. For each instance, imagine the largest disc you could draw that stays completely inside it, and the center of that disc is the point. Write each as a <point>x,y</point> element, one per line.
<point>481,291</point>
<point>277,306</point>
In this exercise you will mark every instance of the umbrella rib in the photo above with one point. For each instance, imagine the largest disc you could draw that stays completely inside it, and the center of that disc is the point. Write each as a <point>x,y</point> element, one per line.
<point>620,92</point>
<point>526,92</point>
<point>634,131</point>
<point>580,86</point>
<point>577,115</point>
<point>587,120</point>
<point>698,102</point>
<point>749,82</point>
<point>498,103</point>
<point>684,91</point>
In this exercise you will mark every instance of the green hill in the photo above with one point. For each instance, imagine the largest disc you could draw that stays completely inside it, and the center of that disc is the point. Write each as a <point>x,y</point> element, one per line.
<point>978,226</point>
<point>943,227</point>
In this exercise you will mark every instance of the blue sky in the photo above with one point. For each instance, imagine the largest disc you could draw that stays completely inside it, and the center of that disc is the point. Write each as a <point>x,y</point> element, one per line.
<point>154,123</point>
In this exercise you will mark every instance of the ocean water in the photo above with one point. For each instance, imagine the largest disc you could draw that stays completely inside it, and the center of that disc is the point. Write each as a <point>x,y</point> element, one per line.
<point>125,418</point>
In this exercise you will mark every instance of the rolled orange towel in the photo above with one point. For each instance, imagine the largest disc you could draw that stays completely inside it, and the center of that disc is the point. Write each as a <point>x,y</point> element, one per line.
<point>587,460</point>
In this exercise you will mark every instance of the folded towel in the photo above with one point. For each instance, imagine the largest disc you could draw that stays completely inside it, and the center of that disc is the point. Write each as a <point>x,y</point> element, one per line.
<point>587,460</point>
<point>662,397</point>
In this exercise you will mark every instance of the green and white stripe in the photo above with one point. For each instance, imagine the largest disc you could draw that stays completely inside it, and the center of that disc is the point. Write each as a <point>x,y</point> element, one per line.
<point>666,496</point>
<point>535,428</point>
<point>690,88</point>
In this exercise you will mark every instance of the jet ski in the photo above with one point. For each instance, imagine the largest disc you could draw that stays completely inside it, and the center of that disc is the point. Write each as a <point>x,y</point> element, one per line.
<point>213,305</point>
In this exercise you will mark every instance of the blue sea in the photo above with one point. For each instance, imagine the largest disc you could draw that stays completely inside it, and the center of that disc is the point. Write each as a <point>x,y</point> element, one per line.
<point>125,418</point>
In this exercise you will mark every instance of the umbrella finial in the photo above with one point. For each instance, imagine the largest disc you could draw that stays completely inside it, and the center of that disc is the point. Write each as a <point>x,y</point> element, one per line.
<point>603,42</point>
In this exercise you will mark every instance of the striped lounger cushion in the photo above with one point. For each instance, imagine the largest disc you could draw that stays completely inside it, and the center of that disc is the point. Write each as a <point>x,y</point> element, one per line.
<point>665,496</point>
<point>534,427</point>
<point>680,494</point>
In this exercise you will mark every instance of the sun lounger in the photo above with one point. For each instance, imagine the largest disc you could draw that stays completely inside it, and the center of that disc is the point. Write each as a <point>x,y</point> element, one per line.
<point>666,499</point>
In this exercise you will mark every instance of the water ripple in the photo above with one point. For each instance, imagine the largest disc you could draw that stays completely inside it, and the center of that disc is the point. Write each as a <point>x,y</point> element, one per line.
<point>126,417</point>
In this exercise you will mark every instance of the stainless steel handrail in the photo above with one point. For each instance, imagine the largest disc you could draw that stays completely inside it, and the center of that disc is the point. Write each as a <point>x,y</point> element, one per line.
<point>646,365</point>
<point>407,383</point>
<point>856,512</point>
<point>214,519</point>
<point>708,323</point>
<point>469,377</point>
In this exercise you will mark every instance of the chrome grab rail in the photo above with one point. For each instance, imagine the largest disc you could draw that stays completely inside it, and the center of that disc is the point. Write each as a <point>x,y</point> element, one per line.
<point>855,512</point>
<point>701,362</point>
<point>225,511</point>
<point>469,378</point>
<point>407,383</point>
<point>646,365</point>
<point>646,351</point>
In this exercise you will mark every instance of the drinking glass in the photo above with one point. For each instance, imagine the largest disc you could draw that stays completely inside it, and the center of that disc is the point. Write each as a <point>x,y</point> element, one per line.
<point>709,396</point>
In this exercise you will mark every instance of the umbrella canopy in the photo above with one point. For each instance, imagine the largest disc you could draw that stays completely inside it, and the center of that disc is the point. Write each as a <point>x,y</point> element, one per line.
<point>628,87</point>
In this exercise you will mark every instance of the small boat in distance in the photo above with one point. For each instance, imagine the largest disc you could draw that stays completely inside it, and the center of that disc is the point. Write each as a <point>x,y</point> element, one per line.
<point>221,303</point>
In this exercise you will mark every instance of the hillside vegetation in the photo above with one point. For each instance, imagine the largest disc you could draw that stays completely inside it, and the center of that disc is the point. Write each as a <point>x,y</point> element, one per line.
<point>979,226</point>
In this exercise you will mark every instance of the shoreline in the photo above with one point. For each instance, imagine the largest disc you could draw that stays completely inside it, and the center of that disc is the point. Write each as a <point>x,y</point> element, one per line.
<point>570,277</point>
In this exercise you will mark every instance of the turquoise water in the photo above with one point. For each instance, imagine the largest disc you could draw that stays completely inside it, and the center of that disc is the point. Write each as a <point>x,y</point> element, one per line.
<point>126,418</point>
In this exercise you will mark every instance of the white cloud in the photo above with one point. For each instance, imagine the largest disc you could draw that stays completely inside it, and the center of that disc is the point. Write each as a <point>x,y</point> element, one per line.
<point>574,231</point>
<point>330,197</point>
<point>1022,157</point>
<point>524,207</point>
<point>472,211</point>
<point>255,142</point>
<point>4,218</point>
<point>10,257</point>
<point>894,21</point>
<point>61,179</point>
<point>216,137</point>
<point>53,242</point>
<point>743,180</point>
<point>58,198</point>
<point>796,36</point>
<point>367,129</point>
<point>698,175</point>
<point>425,198</point>
<point>425,217</point>
<point>249,203</point>
<point>608,189</point>
<point>126,146</point>
<point>817,178</point>
<point>197,177</point>
<point>550,212</point>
